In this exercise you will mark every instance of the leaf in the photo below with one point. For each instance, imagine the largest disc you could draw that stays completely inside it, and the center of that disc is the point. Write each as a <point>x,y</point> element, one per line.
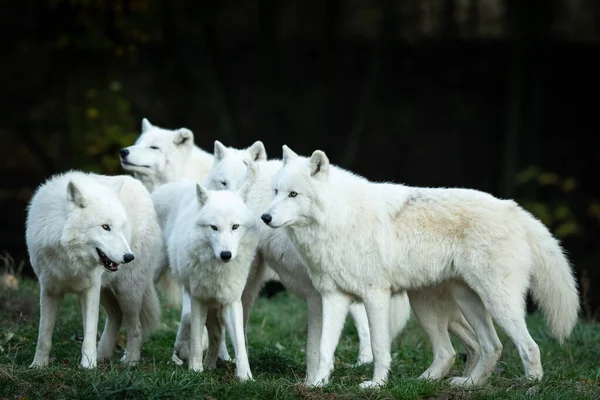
<point>548,178</point>
<point>568,185</point>
<point>92,112</point>
<point>528,174</point>
<point>570,228</point>
<point>541,211</point>
<point>562,212</point>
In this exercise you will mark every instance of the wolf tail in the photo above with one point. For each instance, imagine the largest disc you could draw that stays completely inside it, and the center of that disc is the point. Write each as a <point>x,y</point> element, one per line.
<point>553,285</point>
<point>169,288</point>
<point>399,314</point>
<point>150,312</point>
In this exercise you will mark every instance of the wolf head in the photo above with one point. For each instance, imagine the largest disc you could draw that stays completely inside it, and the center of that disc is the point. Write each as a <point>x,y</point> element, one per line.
<point>158,153</point>
<point>229,168</point>
<point>96,227</point>
<point>295,189</point>
<point>224,219</point>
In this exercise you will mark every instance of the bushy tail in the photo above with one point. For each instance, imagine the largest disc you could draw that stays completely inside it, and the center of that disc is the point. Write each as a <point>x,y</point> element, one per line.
<point>553,285</point>
<point>169,288</point>
<point>150,312</point>
<point>399,314</point>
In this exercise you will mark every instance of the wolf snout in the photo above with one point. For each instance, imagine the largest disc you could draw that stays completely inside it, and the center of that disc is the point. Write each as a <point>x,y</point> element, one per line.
<point>267,218</point>
<point>124,153</point>
<point>225,255</point>
<point>128,258</point>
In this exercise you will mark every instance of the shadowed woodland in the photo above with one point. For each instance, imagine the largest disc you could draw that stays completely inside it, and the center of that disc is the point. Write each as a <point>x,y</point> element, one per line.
<point>496,95</point>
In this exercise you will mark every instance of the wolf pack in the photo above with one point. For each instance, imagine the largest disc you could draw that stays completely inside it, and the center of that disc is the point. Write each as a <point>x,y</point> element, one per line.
<point>209,230</point>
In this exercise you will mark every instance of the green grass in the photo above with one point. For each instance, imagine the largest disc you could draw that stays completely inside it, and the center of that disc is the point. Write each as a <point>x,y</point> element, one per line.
<point>277,335</point>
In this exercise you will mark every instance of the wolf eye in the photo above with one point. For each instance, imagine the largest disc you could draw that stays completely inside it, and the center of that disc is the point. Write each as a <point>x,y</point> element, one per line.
<point>234,227</point>
<point>224,183</point>
<point>276,191</point>
<point>106,227</point>
<point>293,194</point>
<point>214,228</point>
<point>154,147</point>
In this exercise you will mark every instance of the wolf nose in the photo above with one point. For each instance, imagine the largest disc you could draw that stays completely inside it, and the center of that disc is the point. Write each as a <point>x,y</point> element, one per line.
<point>128,258</point>
<point>266,218</point>
<point>124,153</point>
<point>225,255</point>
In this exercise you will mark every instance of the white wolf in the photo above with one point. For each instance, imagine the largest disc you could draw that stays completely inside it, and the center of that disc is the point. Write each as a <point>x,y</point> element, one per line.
<point>211,243</point>
<point>80,227</point>
<point>435,309</point>
<point>162,155</point>
<point>368,240</point>
<point>229,172</point>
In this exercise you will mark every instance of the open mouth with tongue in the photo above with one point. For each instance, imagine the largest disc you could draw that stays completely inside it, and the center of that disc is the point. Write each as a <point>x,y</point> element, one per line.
<point>109,264</point>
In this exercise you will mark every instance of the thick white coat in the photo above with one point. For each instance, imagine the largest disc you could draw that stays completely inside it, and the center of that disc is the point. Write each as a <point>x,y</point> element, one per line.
<point>229,172</point>
<point>162,155</point>
<point>367,240</point>
<point>276,251</point>
<point>200,230</point>
<point>64,228</point>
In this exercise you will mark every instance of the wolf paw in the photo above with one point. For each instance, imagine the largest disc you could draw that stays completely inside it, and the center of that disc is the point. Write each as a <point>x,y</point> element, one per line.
<point>175,359</point>
<point>244,376</point>
<point>182,349</point>
<point>88,363</point>
<point>129,359</point>
<point>224,356</point>
<point>371,384</point>
<point>316,382</point>
<point>196,366</point>
<point>430,375</point>
<point>39,363</point>
<point>462,381</point>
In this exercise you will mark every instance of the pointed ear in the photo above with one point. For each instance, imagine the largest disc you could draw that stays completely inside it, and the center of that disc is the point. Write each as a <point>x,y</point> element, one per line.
<point>146,125</point>
<point>288,154</point>
<point>183,135</point>
<point>257,151</point>
<point>75,196</point>
<point>319,165</point>
<point>219,151</point>
<point>201,194</point>
<point>251,175</point>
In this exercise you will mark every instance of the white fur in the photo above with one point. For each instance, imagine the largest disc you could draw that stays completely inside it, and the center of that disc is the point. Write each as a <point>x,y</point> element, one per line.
<point>229,172</point>
<point>434,308</point>
<point>275,251</point>
<point>64,227</point>
<point>200,231</point>
<point>161,155</point>
<point>368,240</point>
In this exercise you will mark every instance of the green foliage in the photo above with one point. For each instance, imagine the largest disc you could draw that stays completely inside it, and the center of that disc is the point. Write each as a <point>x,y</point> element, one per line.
<point>277,336</point>
<point>560,212</point>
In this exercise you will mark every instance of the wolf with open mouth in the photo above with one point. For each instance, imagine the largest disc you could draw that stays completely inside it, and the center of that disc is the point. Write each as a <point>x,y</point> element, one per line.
<point>80,229</point>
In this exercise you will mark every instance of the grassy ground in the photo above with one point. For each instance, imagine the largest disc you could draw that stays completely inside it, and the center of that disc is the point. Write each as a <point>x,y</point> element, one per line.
<point>276,340</point>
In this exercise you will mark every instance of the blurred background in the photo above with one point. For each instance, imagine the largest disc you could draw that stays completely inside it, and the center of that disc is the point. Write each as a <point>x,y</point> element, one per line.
<point>496,95</point>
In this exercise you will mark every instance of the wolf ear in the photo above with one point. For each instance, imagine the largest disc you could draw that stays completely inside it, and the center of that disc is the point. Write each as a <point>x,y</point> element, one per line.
<point>75,196</point>
<point>146,125</point>
<point>183,135</point>
<point>202,194</point>
<point>288,154</point>
<point>257,151</point>
<point>319,165</point>
<point>251,175</point>
<point>219,151</point>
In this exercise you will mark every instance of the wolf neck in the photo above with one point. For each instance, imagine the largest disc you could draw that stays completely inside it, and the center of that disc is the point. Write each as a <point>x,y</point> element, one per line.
<point>345,210</point>
<point>149,181</point>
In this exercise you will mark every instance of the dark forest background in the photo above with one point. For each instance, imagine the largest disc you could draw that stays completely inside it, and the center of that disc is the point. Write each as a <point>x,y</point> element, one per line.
<point>497,95</point>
